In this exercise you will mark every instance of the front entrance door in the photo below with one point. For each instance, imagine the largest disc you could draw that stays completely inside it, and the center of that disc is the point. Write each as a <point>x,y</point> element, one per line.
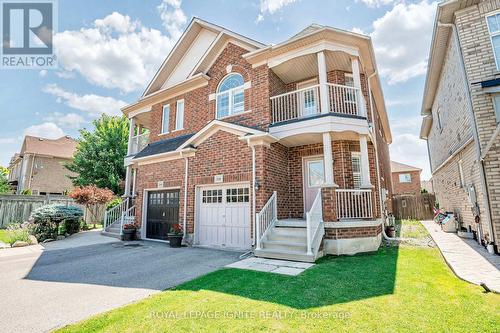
<point>162,213</point>
<point>314,177</point>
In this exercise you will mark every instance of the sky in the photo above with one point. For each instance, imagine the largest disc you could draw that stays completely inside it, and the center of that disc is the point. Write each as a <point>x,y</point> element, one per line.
<point>108,51</point>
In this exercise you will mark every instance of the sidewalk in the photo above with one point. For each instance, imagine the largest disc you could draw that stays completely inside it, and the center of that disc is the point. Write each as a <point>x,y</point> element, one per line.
<point>470,261</point>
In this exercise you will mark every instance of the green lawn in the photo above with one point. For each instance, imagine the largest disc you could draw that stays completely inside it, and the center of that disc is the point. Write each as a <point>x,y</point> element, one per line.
<point>397,289</point>
<point>4,237</point>
<point>410,229</point>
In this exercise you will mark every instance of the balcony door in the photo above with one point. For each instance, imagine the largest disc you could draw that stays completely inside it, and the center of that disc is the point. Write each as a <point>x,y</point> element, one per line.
<point>314,177</point>
<point>307,98</point>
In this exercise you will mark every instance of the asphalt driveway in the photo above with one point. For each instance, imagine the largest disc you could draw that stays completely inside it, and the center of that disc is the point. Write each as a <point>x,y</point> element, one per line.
<point>43,289</point>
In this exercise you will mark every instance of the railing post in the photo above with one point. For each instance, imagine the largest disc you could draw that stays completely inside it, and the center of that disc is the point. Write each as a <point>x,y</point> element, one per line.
<point>105,219</point>
<point>257,231</point>
<point>275,203</point>
<point>308,232</point>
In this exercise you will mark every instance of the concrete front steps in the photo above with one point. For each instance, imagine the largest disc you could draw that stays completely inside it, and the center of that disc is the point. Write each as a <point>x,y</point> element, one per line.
<point>113,230</point>
<point>287,240</point>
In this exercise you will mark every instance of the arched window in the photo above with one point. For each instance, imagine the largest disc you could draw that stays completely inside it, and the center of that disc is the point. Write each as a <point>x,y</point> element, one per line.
<point>230,96</point>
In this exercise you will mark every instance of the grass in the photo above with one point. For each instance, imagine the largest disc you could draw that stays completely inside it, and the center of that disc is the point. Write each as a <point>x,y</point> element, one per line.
<point>4,236</point>
<point>410,229</point>
<point>396,289</point>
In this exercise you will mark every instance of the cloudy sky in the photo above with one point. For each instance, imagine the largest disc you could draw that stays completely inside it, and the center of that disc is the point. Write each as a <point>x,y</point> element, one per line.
<point>109,50</point>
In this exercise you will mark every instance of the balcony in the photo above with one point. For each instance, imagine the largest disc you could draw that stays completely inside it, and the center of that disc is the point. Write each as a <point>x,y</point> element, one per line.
<point>303,103</point>
<point>354,204</point>
<point>138,142</point>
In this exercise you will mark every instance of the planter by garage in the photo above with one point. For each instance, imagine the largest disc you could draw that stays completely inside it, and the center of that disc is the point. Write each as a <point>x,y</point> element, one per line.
<point>175,240</point>
<point>128,234</point>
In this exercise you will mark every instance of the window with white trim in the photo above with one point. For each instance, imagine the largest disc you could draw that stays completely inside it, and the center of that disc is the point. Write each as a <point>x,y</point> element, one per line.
<point>404,178</point>
<point>496,106</point>
<point>494,30</point>
<point>356,169</point>
<point>165,118</point>
<point>230,97</point>
<point>179,115</point>
<point>350,95</point>
<point>234,195</point>
<point>211,196</point>
<point>461,175</point>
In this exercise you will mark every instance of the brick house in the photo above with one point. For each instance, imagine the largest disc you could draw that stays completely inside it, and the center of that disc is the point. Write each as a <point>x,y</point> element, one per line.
<point>39,166</point>
<point>405,179</point>
<point>461,112</point>
<point>282,148</point>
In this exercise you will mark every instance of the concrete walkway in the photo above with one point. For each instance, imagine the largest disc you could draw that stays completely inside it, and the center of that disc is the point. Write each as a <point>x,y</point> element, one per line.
<point>470,261</point>
<point>284,267</point>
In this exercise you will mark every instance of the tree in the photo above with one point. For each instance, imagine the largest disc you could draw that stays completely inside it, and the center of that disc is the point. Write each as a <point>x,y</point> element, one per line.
<point>99,156</point>
<point>92,198</point>
<point>4,183</point>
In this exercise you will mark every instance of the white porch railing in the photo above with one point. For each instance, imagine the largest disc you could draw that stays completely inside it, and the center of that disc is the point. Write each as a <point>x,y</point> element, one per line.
<point>314,218</point>
<point>266,218</point>
<point>295,104</point>
<point>115,214</point>
<point>306,102</point>
<point>354,204</point>
<point>138,143</point>
<point>344,99</point>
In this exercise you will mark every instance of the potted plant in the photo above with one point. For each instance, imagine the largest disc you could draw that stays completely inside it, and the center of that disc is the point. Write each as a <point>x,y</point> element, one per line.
<point>175,235</point>
<point>128,232</point>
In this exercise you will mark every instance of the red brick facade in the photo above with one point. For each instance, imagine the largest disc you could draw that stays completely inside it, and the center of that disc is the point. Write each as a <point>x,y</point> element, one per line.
<point>412,187</point>
<point>278,168</point>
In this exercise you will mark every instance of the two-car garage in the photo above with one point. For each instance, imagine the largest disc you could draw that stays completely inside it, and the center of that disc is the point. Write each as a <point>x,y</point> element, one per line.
<point>222,215</point>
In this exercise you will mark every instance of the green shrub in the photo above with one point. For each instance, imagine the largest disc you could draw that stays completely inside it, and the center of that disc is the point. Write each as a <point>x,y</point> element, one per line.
<point>16,232</point>
<point>46,220</point>
<point>113,203</point>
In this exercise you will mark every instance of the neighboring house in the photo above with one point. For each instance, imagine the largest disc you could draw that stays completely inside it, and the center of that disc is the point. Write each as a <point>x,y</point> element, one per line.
<point>461,110</point>
<point>427,186</point>
<point>296,132</point>
<point>39,166</point>
<point>405,179</point>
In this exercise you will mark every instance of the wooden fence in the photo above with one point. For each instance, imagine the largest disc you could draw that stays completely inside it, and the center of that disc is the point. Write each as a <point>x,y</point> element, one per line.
<point>18,208</point>
<point>418,207</point>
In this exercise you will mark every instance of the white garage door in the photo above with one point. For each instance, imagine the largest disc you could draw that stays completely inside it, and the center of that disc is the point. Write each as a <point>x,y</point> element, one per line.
<point>224,216</point>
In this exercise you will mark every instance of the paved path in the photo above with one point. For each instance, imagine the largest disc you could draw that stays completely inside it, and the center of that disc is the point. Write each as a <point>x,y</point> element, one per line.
<point>470,261</point>
<point>50,286</point>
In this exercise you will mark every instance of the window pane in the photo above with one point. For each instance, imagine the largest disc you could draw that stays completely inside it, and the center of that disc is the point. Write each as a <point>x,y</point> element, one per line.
<point>405,178</point>
<point>496,47</point>
<point>165,118</point>
<point>179,117</point>
<point>222,105</point>
<point>496,106</point>
<point>316,173</point>
<point>238,101</point>
<point>230,82</point>
<point>493,23</point>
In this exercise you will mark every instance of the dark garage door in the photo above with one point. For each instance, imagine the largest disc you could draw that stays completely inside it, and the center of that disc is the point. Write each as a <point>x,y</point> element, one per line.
<point>162,213</point>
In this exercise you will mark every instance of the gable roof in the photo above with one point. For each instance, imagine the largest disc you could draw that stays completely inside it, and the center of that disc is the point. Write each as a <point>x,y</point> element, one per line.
<point>64,147</point>
<point>440,36</point>
<point>198,40</point>
<point>400,167</point>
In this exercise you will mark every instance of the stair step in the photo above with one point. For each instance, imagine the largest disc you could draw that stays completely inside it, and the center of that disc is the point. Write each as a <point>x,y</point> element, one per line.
<point>285,255</point>
<point>287,231</point>
<point>294,238</point>
<point>285,245</point>
<point>291,223</point>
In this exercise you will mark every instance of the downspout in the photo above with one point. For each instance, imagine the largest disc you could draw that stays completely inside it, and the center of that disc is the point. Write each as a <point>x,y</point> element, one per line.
<point>254,183</point>
<point>31,171</point>
<point>184,221</point>
<point>474,131</point>
<point>381,205</point>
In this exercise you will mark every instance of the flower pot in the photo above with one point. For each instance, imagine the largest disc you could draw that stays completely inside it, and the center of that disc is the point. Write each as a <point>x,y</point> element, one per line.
<point>390,231</point>
<point>128,234</point>
<point>175,240</point>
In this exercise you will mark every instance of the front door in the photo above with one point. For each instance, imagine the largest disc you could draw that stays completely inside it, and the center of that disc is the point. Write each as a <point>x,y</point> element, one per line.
<point>162,213</point>
<point>314,177</point>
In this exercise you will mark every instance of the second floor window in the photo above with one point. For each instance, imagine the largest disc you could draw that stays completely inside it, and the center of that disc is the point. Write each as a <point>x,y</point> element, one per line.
<point>179,115</point>
<point>404,178</point>
<point>494,30</point>
<point>230,96</point>
<point>165,119</point>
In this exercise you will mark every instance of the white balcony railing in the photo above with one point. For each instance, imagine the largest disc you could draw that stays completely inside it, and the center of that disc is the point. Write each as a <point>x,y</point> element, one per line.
<point>306,102</point>
<point>354,204</point>
<point>138,143</point>
<point>295,104</point>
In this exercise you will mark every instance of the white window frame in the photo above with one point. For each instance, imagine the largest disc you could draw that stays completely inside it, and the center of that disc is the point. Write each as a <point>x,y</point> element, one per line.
<point>496,107</point>
<point>179,126</point>
<point>163,130</point>
<point>493,34</point>
<point>231,92</point>
<point>461,175</point>
<point>360,173</point>
<point>404,179</point>
<point>439,119</point>
<point>350,96</point>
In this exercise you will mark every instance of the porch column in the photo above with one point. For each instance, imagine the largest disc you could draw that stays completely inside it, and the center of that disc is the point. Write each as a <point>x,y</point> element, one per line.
<point>328,159</point>
<point>357,84</point>
<point>365,162</point>
<point>323,89</point>
<point>130,135</point>
<point>128,180</point>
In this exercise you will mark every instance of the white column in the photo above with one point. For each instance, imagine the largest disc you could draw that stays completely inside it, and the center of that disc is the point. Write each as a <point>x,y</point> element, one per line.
<point>365,162</point>
<point>134,179</point>
<point>328,159</point>
<point>323,89</point>
<point>357,84</point>
<point>130,134</point>
<point>128,180</point>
